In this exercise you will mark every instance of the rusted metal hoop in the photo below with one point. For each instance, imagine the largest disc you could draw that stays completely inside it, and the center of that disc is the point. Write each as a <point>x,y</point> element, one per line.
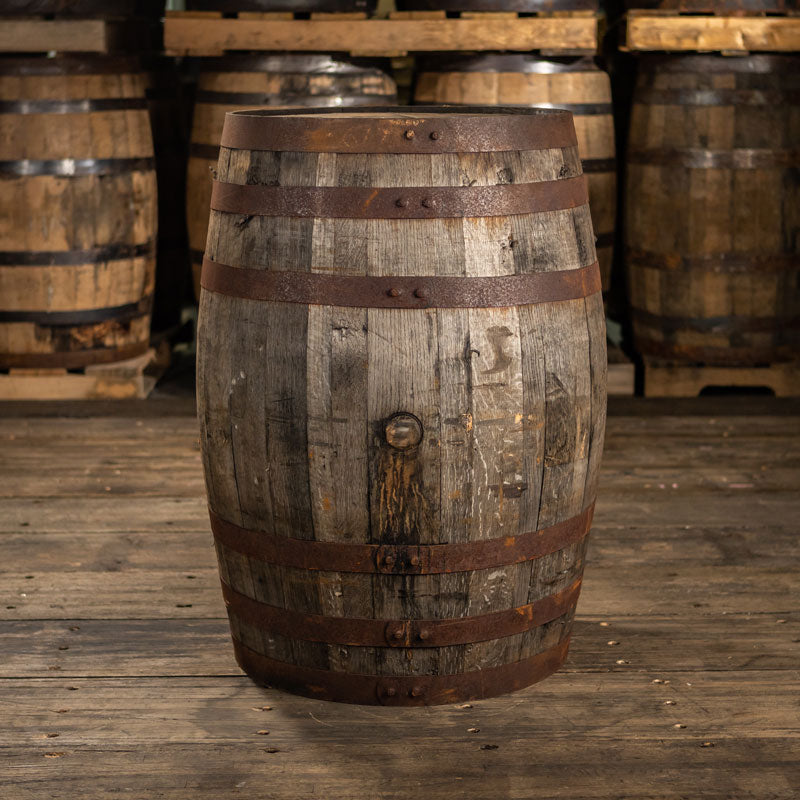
<point>389,559</point>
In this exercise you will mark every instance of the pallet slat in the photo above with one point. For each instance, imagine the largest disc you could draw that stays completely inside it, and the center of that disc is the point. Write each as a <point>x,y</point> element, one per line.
<point>197,36</point>
<point>646,31</point>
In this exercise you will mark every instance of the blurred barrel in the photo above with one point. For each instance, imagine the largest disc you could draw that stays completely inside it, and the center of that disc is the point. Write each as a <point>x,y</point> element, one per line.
<point>575,84</point>
<point>713,209</point>
<point>78,211</point>
<point>85,8</point>
<point>235,82</point>
<point>734,7</point>
<point>494,5</point>
<point>301,6</point>
<point>401,388</point>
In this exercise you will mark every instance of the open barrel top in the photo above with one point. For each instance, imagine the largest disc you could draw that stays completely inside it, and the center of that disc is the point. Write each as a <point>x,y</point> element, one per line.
<point>397,129</point>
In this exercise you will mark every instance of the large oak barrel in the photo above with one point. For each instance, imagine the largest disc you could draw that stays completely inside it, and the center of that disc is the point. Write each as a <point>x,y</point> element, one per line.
<point>236,82</point>
<point>77,236</point>
<point>576,84</point>
<point>401,388</point>
<point>713,209</point>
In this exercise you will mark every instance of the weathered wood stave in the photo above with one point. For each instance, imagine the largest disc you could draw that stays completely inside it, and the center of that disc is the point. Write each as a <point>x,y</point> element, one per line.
<point>77,259</point>
<point>294,400</point>
<point>576,84</point>
<point>713,195</point>
<point>235,82</point>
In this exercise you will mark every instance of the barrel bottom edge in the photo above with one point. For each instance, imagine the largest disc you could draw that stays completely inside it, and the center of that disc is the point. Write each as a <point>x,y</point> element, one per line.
<point>388,690</point>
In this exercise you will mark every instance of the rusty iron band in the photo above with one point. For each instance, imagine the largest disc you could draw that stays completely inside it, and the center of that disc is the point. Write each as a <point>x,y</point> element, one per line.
<point>397,559</point>
<point>732,263</point>
<point>73,359</point>
<point>715,356</point>
<point>70,167</point>
<point>360,632</point>
<point>716,97</point>
<point>426,690</point>
<point>435,202</point>
<point>84,106</point>
<point>89,316</point>
<point>336,100</point>
<point>400,129</point>
<point>592,165</point>
<point>577,109</point>
<point>314,288</point>
<point>71,258</point>
<point>505,62</point>
<point>699,158</point>
<point>725,325</point>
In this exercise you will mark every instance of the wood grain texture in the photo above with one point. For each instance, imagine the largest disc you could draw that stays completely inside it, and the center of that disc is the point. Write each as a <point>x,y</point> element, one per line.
<point>513,80</point>
<point>275,81</point>
<point>713,196</point>
<point>68,215</point>
<point>293,398</point>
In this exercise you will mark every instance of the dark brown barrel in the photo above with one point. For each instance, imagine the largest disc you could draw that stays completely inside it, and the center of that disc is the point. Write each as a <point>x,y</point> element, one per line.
<point>713,209</point>
<point>77,244</point>
<point>575,84</point>
<point>733,7</point>
<point>279,81</point>
<point>168,117</point>
<point>401,388</point>
<point>85,8</point>
<point>494,5</point>
<point>301,6</point>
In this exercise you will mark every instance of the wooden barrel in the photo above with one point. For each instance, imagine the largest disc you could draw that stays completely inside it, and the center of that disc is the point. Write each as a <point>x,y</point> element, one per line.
<point>576,84</point>
<point>302,6</point>
<point>77,237</point>
<point>401,388</point>
<point>236,82</point>
<point>735,7</point>
<point>494,5</point>
<point>713,209</point>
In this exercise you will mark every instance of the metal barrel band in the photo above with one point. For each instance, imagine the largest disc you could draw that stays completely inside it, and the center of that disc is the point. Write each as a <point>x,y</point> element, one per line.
<point>577,109</point>
<point>728,324</point>
<point>715,97</point>
<point>396,559</point>
<point>732,263</point>
<point>700,158</point>
<point>508,5</point>
<point>72,167</point>
<point>338,100</point>
<point>592,165</point>
<point>715,356</point>
<point>773,64</point>
<point>401,129</point>
<point>84,106</point>
<point>505,62</point>
<point>413,633</point>
<point>423,690</point>
<point>88,316</point>
<point>73,359</point>
<point>363,291</point>
<point>302,64</point>
<point>83,64</point>
<point>71,258</point>
<point>404,202</point>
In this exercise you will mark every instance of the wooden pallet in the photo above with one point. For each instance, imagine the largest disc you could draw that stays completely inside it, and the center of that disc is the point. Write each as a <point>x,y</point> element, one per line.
<point>134,378</point>
<point>188,33</point>
<point>40,35</point>
<point>671,380</point>
<point>656,29</point>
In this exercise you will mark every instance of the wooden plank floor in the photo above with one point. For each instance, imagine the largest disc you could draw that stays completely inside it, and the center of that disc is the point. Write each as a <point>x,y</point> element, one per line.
<point>117,677</point>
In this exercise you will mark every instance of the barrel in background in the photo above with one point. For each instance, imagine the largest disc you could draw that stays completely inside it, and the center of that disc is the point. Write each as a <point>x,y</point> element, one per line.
<point>236,82</point>
<point>575,84</point>
<point>401,388</point>
<point>713,209</point>
<point>78,222</point>
<point>294,6</point>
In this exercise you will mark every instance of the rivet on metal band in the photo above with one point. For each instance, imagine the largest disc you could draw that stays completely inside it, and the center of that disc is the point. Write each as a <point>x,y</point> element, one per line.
<point>413,633</point>
<point>435,291</point>
<point>421,690</point>
<point>407,202</point>
<point>396,559</point>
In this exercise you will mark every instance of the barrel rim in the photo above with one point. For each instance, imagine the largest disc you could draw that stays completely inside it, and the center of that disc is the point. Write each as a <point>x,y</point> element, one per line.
<point>68,64</point>
<point>400,129</point>
<point>529,63</point>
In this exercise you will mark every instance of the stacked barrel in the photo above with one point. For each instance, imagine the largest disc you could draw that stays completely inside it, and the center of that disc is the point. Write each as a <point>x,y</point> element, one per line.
<point>713,208</point>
